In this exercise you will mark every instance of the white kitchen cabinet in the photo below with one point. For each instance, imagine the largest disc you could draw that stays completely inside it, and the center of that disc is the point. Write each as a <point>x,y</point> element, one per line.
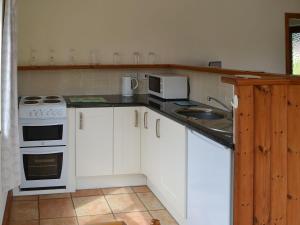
<point>172,158</point>
<point>127,140</point>
<point>134,140</point>
<point>150,145</point>
<point>145,141</point>
<point>209,181</point>
<point>164,160</point>
<point>94,141</point>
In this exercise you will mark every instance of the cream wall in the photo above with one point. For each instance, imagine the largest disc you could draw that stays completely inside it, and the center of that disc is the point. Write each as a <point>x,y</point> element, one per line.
<point>243,34</point>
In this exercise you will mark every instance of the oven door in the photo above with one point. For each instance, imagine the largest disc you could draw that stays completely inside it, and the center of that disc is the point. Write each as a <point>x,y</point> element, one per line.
<point>42,132</point>
<point>155,86</point>
<point>43,167</point>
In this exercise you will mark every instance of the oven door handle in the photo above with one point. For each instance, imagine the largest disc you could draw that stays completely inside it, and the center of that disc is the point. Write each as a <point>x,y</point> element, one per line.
<point>31,151</point>
<point>40,123</point>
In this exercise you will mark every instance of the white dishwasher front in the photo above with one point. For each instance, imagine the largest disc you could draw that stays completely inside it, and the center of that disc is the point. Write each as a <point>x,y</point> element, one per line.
<point>209,181</point>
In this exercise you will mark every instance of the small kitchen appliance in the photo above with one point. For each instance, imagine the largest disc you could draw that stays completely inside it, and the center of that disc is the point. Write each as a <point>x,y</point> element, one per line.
<point>129,84</point>
<point>43,141</point>
<point>168,86</point>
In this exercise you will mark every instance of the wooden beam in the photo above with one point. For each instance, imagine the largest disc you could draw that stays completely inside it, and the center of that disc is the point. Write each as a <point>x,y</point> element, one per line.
<point>262,151</point>
<point>279,155</point>
<point>244,157</point>
<point>293,203</point>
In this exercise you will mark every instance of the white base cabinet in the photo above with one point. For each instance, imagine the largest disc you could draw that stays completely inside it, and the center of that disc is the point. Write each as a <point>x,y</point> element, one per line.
<point>150,145</point>
<point>164,160</point>
<point>172,157</point>
<point>94,141</point>
<point>127,140</point>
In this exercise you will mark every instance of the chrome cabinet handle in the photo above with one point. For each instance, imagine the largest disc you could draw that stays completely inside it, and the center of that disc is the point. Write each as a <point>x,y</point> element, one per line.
<point>158,128</point>
<point>80,121</point>
<point>146,120</point>
<point>136,122</point>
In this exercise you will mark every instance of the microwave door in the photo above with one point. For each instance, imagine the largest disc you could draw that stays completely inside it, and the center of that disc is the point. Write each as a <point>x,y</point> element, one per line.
<point>155,85</point>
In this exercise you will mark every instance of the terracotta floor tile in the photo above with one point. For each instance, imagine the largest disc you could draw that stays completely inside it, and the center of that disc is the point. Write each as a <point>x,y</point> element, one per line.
<point>24,222</point>
<point>59,221</point>
<point>150,201</point>
<point>92,205</point>
<point>87,192</point>
<point>115,191</point>
<point>140,189</point>
<point>164,217</point>
<point>135,218</point>
<point>24,210</point>
<point>95,220</point>
<point>26,198</point>
<point>53,196</point>
<point>125,203</point>
<point>56,208</point>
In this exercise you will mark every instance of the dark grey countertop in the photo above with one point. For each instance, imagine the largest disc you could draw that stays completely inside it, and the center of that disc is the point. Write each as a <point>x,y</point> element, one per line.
<point>166,108</point>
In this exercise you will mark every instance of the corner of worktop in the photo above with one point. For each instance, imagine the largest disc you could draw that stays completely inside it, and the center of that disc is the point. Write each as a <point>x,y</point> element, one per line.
<point>264,79</point>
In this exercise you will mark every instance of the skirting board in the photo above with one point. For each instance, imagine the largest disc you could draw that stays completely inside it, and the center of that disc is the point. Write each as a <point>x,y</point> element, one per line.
<point>92,182</point>
<point>9,198</point>
<point>18,192</point>
<point>110,181</point>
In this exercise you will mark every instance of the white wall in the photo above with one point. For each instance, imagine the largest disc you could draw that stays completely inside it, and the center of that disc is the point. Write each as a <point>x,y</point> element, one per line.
<point>244,34</point>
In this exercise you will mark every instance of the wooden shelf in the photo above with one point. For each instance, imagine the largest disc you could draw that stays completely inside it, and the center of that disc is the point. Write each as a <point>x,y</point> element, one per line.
<point>102,66</point>
<point>229,73</point>
<point>140,66</point>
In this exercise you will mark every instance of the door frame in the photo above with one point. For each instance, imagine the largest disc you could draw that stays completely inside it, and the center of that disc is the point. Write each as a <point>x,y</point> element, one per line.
<point>288,41</point>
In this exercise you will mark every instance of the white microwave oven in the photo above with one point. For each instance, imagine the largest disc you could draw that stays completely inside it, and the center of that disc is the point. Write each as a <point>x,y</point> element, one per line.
<point>168,86</point>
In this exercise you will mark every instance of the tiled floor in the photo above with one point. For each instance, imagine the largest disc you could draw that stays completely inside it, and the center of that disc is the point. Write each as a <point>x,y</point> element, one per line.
<point>134,205</point>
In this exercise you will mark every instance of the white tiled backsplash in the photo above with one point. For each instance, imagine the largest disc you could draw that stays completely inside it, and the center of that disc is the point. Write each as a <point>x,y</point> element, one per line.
<point>74,82</point>
<point>108,82</point>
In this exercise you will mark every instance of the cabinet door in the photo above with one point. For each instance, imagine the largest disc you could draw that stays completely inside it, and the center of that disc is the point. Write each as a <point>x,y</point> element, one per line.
<point>150,146</point>
<point>145,140</point>
<point>94,141</point>
<point>127,136</point>
<point>172,155</point>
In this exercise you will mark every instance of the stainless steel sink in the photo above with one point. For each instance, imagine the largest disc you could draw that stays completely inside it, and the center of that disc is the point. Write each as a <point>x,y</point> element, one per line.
<point>210,118</point>
<point>201,113</point>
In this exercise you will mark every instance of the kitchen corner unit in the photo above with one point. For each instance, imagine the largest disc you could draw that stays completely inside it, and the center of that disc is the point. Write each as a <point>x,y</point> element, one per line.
<point>130,142</point>
<point>122,146</point>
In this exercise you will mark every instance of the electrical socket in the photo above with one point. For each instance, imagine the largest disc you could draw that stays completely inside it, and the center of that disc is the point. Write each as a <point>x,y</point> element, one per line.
<point>143,75</point>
